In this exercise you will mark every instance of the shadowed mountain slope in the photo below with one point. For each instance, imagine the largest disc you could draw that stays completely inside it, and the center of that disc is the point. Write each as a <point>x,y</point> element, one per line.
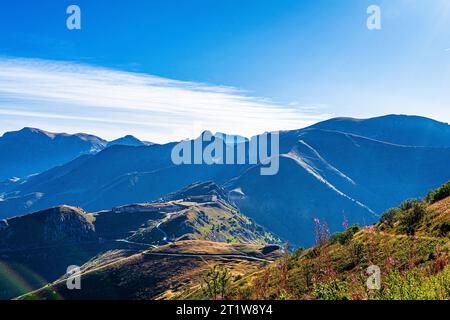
<point>356,168</point>
<point>39,247</point>
<point>397,129</point>
<point>410,245</point>
<point>163,273</point>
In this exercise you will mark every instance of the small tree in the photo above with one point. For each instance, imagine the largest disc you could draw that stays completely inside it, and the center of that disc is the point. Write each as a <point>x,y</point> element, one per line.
<point>390,215</point>
<point>216,283</point>
<point>412,215</point>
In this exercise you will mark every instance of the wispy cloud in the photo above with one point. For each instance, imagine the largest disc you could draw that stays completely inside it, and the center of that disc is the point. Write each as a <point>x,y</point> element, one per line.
<point>74,97</point>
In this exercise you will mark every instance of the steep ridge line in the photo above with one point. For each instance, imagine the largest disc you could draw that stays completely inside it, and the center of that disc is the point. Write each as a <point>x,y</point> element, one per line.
<point>297,158</point>
<point>201,256</point>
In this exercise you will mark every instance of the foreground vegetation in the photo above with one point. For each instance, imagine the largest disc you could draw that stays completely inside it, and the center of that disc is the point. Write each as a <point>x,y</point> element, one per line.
<point>409,246</point>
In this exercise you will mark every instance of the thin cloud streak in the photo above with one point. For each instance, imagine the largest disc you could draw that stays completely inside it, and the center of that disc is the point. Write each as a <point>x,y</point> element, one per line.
<point>153,108</point>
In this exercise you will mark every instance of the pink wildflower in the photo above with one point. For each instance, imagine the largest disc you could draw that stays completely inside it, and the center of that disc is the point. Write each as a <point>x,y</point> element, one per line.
<point>391,262</point>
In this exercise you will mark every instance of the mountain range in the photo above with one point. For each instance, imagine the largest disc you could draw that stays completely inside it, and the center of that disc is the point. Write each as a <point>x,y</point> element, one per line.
<point>39,247</point>
<point>32,151</point>
<point>224,255</point>
<point>340,169</point>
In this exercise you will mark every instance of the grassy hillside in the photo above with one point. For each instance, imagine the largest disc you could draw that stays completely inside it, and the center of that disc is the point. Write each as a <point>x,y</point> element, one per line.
<point>37,249</point>
<point>213,221</point>
<point>167,272</point>
<point>410,245</point>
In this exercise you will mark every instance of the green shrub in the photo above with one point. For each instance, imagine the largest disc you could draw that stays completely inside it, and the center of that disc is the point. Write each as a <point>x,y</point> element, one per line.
<point>333,290</point>
<point>357,253</point>
<point>344,238</point>
<point>389,215</point>
<point>414,285</point>
<point>312,253</point>
<point>412,214</point>
<point>439,194</point>
<point>408,204</point>
<point>298,253</point>
<point>445,228</point>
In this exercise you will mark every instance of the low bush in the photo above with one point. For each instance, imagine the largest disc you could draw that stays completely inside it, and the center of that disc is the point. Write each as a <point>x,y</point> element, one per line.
<point>390,215</point>
<point>344,238</point>
<point>445,228</point>
<point>334,290</point>
<point>440,193</point>
<point>413,211</point>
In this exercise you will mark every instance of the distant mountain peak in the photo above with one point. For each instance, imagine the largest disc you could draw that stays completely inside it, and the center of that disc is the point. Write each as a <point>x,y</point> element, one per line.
<point>29,131</point>
<point>128,140</point>
<point>31,150</point>
<point>408,130</point>
<point>388,117</point>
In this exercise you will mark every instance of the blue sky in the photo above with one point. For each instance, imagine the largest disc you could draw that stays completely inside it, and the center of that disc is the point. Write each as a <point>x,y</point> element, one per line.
<point>166,69</point>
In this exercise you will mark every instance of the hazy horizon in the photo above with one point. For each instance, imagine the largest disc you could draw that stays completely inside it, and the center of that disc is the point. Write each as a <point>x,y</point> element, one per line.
<point>200,132</point>
<point>167,70</point>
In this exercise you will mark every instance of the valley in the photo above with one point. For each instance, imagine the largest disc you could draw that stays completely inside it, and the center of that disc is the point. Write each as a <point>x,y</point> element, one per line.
<point>341,167</point>
<point>197,225</point>
<point>166,272</point>
<point>141,227</point>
